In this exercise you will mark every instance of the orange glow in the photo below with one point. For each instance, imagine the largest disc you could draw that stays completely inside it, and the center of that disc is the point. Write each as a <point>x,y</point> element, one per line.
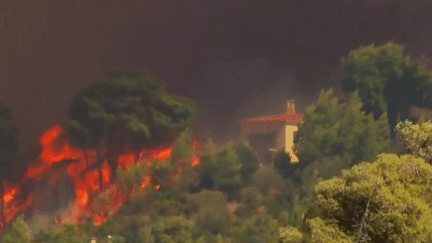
<point>106,173</point>
<point>99,218</point>
<point>195,161</point>
<point>92,179</point>
<point>126,159</point>
<point>81,193</point>
<point>146,182</point>
<point>55,149</point>
<point>164,154</point>
<point>196,148</point>
<point>34,170</point>
<point>50,135</point>
<point>9,194</point>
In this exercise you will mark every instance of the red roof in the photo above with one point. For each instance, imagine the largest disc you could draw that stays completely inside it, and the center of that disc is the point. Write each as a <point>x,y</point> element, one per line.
<point>284,117</point>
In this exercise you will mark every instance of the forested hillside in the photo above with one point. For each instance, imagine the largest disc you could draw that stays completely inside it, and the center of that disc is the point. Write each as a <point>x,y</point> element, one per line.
<point>361,176</point>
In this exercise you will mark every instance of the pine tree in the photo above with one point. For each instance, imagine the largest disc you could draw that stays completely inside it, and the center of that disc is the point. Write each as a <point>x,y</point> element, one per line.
<point>387,81</point>
<point>8,151</point>
<point>333,129</point>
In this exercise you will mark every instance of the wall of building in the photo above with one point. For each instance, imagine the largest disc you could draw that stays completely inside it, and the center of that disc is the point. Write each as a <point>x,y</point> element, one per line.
<point>289,142</point>
<point>268,137</point>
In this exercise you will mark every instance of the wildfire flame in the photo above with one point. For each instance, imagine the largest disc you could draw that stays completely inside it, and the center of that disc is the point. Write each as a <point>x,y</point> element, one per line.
<point>55,150</point>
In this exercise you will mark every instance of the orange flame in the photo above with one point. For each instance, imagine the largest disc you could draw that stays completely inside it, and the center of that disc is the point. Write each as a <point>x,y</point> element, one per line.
<point>56,148</point>
<point>196,148</point>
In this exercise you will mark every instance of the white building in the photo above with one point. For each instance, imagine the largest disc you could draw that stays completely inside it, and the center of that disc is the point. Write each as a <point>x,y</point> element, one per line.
<point>274,132</point>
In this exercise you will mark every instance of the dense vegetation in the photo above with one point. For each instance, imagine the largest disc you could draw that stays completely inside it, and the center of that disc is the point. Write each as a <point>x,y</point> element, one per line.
<point>354,182</point>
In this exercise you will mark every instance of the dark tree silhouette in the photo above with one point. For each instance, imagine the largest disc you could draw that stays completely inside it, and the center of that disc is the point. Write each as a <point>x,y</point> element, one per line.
<point>387,81</point>
<point>8,149</point>
<point>128,108</point>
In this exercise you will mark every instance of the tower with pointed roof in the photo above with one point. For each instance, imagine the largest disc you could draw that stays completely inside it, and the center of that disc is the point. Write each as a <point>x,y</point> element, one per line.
<point>284,124</point>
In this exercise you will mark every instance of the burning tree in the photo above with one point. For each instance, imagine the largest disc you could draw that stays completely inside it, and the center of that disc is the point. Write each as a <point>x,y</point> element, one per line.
<point>129,110</point>
<point>8,149</point>
<point>115,122</point>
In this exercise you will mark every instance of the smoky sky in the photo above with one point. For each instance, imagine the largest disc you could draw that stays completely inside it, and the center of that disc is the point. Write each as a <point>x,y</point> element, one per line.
<point>236,59</point>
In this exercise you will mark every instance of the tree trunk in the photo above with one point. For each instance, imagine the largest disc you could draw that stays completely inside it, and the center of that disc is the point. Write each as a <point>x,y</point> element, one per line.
<point>2,205</point>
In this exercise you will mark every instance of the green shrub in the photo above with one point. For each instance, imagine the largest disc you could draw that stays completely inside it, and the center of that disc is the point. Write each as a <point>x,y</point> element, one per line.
<point>130,227</point>
<point>19,232</point>
<point>290,235</point>
<point>176,229</point>
<point>212,212</point>
<point>69,233</point>
<point>282,164</point>
<point>283,218</point>
<point>266,178</point>
<point>251,198</point>
<point>260,227</point>
<point>211,221</point>
<point>387,200</point>
<point>248,158</point>
<point>242,211</point>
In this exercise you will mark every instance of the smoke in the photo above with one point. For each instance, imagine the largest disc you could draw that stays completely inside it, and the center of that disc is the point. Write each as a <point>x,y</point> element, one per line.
<point>52,49</point>
<point>258,85</point>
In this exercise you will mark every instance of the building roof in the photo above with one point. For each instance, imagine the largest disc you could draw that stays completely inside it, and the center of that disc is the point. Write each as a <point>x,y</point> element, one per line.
<point>283,117</point>
<point>289,116</point>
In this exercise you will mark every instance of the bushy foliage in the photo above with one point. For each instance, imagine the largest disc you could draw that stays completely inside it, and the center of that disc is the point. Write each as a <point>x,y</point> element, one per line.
<point>70,233</point>
<point>182,159</point>
<point>208,161</point>
<point>161,171</point>
<point>334,135</point>
<point>248,159</point>
<point>318,171</point>
<point>137,203</point>
<point>338,129</point>
<point>267,178</point>
<point>207,237</point>
<point>322,231</point>
<point>283,218</point>
<point>290,235</point>
<point>138,99</point>
<point>132,176</point>
<point>19,232</point>
<point>208,220</point>
<point>282,163</point>
<point>259,227</point>
<point>228,170</point>
<point>212,214</point>
<point>128,108</point>
<point>298,208</point>
<point>387,81</point>
<point>387,201</point>
<point>175,229</point>
<point>220,170</point>
<point>275,204</point>
<point>251,198</point>
<point>417,137</point>
<point>129,226</point>
<point>174,206</point>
